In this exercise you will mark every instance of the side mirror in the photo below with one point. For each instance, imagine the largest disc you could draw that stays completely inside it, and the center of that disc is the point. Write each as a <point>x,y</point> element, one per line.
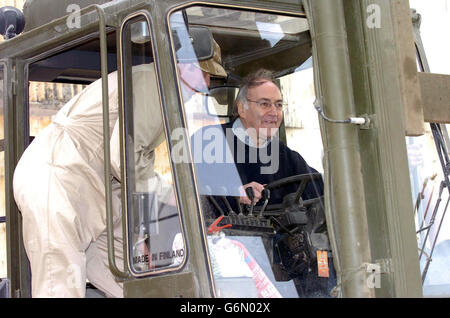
<point>221,100</point>
<point>197,45</point>
<point>139,32</point>
<point>12,22</point>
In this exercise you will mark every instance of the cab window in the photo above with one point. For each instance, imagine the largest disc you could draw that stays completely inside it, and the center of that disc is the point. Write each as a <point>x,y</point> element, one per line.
<point>252,124</point>
<point>154,227</point>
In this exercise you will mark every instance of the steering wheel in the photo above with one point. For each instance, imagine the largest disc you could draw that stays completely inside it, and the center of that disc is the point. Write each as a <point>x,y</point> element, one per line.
<point>291,201</point>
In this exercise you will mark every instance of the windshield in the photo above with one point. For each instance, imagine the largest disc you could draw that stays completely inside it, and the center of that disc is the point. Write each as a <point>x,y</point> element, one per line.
<point>256,149</point>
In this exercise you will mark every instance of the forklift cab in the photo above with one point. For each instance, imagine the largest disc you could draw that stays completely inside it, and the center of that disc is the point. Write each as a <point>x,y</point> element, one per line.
<point>182,237</point>
<point>164,238</point>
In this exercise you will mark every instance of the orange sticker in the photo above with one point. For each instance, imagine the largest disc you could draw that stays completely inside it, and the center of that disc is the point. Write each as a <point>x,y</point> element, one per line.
<point>322,264</point>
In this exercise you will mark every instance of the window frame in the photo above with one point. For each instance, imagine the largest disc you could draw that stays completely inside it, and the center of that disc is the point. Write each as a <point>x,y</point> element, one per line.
<point>182,109</point>
<point>124,173</point>
<point>3,219</point>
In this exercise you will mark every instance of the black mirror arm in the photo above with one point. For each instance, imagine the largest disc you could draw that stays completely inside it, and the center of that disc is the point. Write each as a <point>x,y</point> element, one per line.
<point>186,21</point>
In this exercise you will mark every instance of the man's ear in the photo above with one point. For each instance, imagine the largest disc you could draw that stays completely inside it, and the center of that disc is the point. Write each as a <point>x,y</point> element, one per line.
<point>240,109</point>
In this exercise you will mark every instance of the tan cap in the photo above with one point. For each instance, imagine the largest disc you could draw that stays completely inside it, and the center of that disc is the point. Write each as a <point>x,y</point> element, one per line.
<point>213,65</point>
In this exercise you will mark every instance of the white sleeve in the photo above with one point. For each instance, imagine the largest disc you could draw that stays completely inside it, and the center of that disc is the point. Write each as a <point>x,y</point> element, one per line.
<point>148,133</point>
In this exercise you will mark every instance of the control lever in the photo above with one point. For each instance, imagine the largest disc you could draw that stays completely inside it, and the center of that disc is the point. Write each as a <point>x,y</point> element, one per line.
<point>265,196</point>
<point>223,192</point>
<point>251,195</point>
<point>238,202</point>
<point>208,192</point>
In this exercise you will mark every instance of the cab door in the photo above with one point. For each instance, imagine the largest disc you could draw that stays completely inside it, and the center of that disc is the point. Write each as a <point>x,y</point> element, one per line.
<point>164,249</point>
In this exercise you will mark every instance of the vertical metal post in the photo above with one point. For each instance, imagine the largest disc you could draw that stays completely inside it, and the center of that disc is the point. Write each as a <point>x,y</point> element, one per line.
<point>107,155</point>
<point>350,227</point>
<point>383,75</point>
<point>16,135</point>
<point>184,177</point>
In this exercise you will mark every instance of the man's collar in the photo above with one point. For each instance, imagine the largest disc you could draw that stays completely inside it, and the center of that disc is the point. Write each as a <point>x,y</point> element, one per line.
<point>241,133</point>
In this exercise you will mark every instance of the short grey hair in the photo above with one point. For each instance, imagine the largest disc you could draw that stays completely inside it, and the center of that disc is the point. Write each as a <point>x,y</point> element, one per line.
<point>253,79</point>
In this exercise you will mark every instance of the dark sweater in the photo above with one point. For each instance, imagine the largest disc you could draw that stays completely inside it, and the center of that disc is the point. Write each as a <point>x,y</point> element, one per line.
<point>252,164</point>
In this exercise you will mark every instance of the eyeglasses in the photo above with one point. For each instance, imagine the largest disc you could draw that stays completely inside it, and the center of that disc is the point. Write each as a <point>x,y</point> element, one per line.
<point>265,104</point>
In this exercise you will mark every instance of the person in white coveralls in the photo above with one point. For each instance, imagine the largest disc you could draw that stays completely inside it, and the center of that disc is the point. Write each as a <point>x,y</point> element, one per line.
<point>59,182</point>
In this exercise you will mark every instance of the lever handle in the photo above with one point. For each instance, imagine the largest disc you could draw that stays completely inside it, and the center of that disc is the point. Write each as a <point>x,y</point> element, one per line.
<point>265,196</point>
<point>251,195</point>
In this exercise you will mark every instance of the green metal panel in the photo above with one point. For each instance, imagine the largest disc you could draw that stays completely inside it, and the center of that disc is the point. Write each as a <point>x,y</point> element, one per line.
<point>435,90</point>
<point>183,174</point>
<point>372,182</point>
<point>37,12</point>
<point>170,286</point>
<point>334,91</point>
<point>17,261</point>
<point>376,83</point>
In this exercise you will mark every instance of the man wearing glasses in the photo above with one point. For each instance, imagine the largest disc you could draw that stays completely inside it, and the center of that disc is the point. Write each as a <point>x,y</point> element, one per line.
<point>252,137</point>
<point>259,157</point>
<point>259,108</point>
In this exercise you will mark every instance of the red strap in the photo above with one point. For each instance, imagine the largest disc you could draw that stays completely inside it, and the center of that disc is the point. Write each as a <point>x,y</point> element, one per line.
<point>213,228</point>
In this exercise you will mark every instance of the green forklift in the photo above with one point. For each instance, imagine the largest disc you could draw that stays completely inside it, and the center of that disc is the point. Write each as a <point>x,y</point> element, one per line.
<point>355,80</point>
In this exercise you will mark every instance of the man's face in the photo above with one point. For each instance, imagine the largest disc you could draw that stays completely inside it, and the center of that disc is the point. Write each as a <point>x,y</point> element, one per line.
<point>265,121</point>
<point>194,78</point>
